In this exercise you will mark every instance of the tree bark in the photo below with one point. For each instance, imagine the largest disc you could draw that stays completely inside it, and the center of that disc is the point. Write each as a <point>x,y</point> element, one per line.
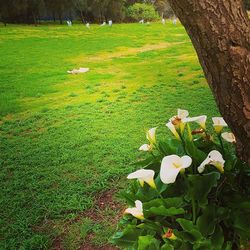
<point>220,33</point>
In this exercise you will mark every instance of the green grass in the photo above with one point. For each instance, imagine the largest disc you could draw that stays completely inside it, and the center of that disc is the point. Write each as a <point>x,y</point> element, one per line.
<point>64,138</point>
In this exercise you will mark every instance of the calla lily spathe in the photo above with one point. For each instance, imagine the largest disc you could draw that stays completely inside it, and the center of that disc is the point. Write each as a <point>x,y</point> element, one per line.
<point>177,120</point>
<point>214,158</point>
<point>145,147</point>
<point>182,113</point>
<point>136,211</point>
<point>150,135</point>
<point>229,137</point>
<point>218,123</point>
<point>171,166</point>
<point>144,175</point>
<point>201,120</point>
<point>173,130</point>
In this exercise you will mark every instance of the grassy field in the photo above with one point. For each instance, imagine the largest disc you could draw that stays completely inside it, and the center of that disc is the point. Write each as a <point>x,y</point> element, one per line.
<point>65,140</point>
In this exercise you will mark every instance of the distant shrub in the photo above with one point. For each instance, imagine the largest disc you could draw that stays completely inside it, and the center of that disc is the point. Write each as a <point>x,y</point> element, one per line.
<point>140,11</point>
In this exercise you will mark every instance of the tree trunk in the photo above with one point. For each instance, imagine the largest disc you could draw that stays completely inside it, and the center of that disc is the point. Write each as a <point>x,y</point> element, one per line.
<point>82,16</point>
<point>220,33</point>
<point>54,17</point>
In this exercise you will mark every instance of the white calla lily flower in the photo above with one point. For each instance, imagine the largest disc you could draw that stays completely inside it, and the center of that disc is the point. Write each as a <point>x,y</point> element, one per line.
<point>218,123</point>
<point>173,130</point>
<point>145,147</point>
<point>182,113</point>
<point>214,158</point>
<point>150,135</point>
<point>177,120</point>
<point>136,211</point>
<point>229,137</point>
<point>201,120</point>
<point>171,166</point>
<point>144,175</point>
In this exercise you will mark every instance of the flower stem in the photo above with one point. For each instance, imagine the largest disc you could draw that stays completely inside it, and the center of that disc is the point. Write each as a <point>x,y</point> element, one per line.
<point>194,210</point>
<point>221,143</point>
<point>192,201</point>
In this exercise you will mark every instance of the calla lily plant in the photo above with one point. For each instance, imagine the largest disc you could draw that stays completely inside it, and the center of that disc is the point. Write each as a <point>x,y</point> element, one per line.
<point>193,192</point>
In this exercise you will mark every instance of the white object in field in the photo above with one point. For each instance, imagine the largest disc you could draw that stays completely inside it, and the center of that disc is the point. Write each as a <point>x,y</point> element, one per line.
<point>110,23</point>
<point>103,24</point>
<point>175,21</point>
<point>69,23</point>
<point>78,71</point>
<point>141,21</point>
<point>163,21</point>
<point>88,25</point>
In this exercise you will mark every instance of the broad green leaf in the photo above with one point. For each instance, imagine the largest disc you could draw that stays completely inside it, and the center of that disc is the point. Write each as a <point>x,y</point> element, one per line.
<point>161,187</point>
<point>128,237</point>
<point>163,211</point>
<point>201,185</point>
<point>148,243</point>
<point>190,236</point>
<point>155,226</point>
<point>153,203</point>
<point>206,222</point>
<point>197,155</point>
<point>167,246</point>
<point>174,202</point>
<point>227,246</point>
<point>168,203</point>
<point>169,147</point>
<point>190,233</point>
<point>202,245</point>
<point>241,222</point>
<point>217,238</point>
<point>186,225</point>
<point>144,163</point>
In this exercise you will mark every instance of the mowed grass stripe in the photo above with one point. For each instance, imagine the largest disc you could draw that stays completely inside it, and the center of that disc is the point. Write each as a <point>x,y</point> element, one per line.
<point>65,138</point>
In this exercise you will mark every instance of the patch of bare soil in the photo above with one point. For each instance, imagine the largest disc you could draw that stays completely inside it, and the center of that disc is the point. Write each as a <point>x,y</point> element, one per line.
<point>102,202</point>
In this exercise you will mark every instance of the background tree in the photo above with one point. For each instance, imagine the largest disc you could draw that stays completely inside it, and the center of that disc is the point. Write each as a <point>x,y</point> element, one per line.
<point>140,11</point>
<point>220,32</point>
<point>82,7</point>
<point>163,7</point>
<point>34,9</point>
<point>116,10</point>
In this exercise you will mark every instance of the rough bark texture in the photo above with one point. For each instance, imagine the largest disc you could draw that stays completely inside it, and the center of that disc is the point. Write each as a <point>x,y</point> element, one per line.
<point>220,32</point>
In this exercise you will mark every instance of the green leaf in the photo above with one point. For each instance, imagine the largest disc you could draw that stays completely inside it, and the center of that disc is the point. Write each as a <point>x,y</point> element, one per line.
<point>148,225</point>
<point>153,203</point>
<point>197,155</point>
<point>203,245</point>
<point>167,246</point>
<point>206,222</point>
<point>192,236</point>
<point>163,211</point>
<point>186,225</point>
<point>227,246</point>
<point>161,187</point>
<point>168,147</point>
<point>217,238</point>
<point>201,185</point>
<point>241,222</point>
<point>191,232</point>
<point>143,163</point>
<point>174,202</point>
<point>128,237</point>
<point>168,203</point>
<point>148,243</point>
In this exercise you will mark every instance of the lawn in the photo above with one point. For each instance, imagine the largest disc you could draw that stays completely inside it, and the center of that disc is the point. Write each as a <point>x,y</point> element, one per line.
<point>67,141</point>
